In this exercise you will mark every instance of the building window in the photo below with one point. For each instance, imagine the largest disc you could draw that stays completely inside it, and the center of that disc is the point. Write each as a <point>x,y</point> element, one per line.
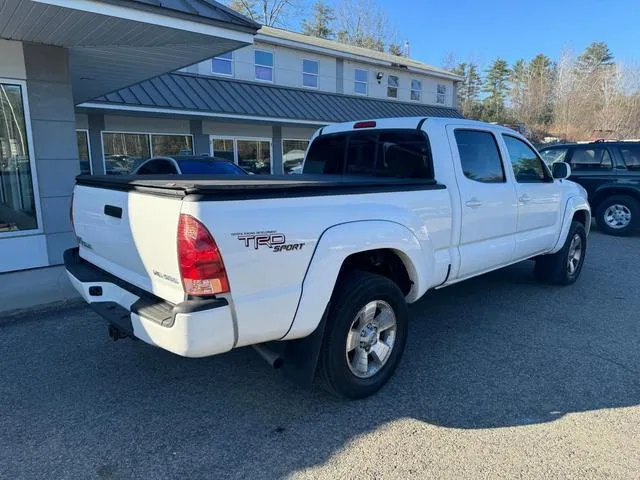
<point>17,198</point>
<point>264,65</point>
<point>223,149</point>
<point>293,155</point>
<point>441,96</point>
<point>254,155</point>
<point>223,64</point>
<point>310,73</point>
<point>392,86</point>
<point>416,90</point>
<point>361,84</point>
<point>123,152</point>
<point>83,152</point>
<point>171,145</point>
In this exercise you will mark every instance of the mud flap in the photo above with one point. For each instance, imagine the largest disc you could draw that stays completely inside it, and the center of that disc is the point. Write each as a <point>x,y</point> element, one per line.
<point>301,356</point>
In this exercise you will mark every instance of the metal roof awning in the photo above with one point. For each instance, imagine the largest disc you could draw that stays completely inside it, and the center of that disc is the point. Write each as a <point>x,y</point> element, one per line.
<point>115,43</point>
<point>201,96</point>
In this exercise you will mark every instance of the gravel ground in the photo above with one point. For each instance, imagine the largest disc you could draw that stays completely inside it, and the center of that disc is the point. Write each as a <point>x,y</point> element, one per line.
<point>502,378</point>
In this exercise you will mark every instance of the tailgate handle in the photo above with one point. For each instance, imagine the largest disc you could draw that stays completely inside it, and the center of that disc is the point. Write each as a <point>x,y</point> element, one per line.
<point>113,211</point>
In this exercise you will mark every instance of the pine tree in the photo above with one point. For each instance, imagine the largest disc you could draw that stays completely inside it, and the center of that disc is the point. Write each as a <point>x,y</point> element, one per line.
<point>594,56</point>
<point>320,23</point>
<point>496,86</point>
<point>469,89</point>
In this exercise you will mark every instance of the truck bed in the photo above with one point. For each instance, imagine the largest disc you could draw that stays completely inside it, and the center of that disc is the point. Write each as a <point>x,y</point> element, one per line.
<point>225,187</point>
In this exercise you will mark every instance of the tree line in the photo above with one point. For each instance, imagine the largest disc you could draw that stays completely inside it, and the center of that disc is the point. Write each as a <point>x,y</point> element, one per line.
<point>573,98</point>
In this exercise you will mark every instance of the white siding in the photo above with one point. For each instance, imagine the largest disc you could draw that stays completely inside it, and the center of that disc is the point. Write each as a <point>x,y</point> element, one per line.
<point>296,133</point>
<point>379,90</point>
<point>12,60</point>
<point>82,120</point>
<point>236,129</point>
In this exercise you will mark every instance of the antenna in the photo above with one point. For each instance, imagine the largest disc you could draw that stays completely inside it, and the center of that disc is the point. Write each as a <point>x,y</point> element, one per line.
<point>405,50</point>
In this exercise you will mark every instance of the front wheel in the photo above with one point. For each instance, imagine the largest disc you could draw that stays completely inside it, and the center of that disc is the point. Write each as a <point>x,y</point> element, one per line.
<point>564,266</point>
<point>365,335</point>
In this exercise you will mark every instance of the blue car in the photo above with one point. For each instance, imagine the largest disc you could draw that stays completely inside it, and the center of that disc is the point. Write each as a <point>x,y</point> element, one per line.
<point>187,165</point>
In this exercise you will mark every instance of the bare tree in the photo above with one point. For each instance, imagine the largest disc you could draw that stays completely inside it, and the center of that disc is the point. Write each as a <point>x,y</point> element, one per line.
<point>267,12</point>
<point>363,23</point>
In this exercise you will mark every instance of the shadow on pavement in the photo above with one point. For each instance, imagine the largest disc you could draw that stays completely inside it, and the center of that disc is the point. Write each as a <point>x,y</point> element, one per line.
<point>497,351</point>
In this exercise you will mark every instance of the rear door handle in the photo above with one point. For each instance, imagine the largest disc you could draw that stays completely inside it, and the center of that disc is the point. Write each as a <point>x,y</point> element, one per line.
<point>526,198</point>
<point>473,203</point>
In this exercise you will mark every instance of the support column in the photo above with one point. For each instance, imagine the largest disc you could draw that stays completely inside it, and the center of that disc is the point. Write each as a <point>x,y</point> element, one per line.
<point>201,143</point>
<point>96,126</point>
<point>276,150</point>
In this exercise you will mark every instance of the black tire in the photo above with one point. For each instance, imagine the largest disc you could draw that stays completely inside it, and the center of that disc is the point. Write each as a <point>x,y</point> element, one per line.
<point>554,269</point>
<point>354,291</point>
<point>625,201</point>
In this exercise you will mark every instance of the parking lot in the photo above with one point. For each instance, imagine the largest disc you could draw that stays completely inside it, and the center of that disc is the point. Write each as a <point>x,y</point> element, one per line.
<point>502,377</point>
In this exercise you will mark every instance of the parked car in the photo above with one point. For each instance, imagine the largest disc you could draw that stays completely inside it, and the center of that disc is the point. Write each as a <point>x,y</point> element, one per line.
<point>610,172</point>
<point>187,165</point>
<point>324,264</point>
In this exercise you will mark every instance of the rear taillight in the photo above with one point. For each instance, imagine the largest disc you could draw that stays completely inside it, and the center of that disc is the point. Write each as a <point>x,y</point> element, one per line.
<point>201,265</point>
<point>71,213</point>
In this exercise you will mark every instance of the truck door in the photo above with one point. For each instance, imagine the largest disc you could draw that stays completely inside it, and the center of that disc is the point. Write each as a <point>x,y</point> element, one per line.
<point>539,199</point>
<point>488,201</point>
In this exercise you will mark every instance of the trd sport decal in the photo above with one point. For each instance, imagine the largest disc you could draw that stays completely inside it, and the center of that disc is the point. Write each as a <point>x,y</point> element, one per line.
<point>271,239</point>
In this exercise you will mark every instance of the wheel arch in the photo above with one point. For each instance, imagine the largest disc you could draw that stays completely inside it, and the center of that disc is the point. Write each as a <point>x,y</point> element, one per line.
<point>378,246</point>
<point>577,208</point>
<point>602,194</point>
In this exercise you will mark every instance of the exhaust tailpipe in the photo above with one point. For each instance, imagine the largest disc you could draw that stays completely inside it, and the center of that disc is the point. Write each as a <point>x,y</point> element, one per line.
<point>271,357</point>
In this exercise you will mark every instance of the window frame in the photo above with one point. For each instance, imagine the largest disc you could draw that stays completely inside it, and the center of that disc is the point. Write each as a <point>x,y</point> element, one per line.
<point>396,88</point>
<point>272,66</point>
<point>86,132</point>
<point>441,95</point>
<point>419,99</point>
<point>498,148</point>
<point>548,177</point>
<point>614,164</point>
<point>231,62</point>
<point>315,75</point>
<point>32,161</point>
<point>356,81</point>
<point>149,142</point>
<point>235,139</point>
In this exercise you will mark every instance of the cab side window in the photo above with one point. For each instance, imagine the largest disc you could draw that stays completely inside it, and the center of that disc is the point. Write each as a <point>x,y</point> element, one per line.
<point>631,157</point>
<point>590,159</point>
<point>480,156</point>
<point>527,166</point>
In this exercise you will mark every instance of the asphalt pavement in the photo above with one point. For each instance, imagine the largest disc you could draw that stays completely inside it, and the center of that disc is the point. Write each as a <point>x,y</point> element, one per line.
<point>502,378</point>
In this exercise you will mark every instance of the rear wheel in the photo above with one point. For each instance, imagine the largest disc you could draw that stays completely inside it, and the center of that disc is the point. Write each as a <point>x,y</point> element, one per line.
<point>564,266</point>
<point>365,335</point>
<point>618,215</point>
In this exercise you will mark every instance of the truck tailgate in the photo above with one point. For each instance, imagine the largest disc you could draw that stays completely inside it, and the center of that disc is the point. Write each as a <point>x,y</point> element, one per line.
<point>132,236</point>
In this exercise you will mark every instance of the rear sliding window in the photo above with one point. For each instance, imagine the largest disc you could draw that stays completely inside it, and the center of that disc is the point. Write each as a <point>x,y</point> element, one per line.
<point>381,153</point>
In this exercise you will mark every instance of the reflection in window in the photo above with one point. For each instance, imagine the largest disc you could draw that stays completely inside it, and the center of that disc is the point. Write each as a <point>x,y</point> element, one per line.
<point>255,156</point>
<point>591,159</point>
<point>264,65</point>
<point>223,64</point>
<point>83,152</point>
<point>361,84</point>
<point>310,73</point>
<point>416,90</point>
<point>17,202</point>
<point>223,149</point>
<point>293,155</point>
<point>631,157</point>
<point>479,156</point>
<point>527,167</point>
<point>554,155</point>
<point>171,145</point>
<point>392,86</point>
<point>124,152</point>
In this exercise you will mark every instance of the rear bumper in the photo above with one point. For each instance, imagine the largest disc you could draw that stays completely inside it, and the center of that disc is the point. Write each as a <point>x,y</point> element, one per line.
<point>193,328</point>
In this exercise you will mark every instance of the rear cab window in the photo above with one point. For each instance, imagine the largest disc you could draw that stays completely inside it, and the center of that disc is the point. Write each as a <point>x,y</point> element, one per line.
<point>479,156</point>
<point>631,156</point>
<point>590,159</point>
<point>394,153</point>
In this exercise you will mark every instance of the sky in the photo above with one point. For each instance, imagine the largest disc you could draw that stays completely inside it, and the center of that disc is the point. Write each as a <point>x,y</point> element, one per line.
<point>483,30</point>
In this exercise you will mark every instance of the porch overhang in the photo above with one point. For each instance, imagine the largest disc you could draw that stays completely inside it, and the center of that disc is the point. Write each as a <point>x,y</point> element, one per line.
<point>116,43</point>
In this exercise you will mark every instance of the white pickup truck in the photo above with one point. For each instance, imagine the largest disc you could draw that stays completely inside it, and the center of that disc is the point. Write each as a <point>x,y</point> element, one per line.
<point>322,265</point>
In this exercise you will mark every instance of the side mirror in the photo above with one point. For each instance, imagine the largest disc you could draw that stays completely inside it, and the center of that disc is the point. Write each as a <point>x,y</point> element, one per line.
<point>561,170</point>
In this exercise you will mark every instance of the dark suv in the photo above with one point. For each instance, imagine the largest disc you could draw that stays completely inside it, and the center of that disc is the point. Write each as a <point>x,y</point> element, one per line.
<point>610,172</point>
